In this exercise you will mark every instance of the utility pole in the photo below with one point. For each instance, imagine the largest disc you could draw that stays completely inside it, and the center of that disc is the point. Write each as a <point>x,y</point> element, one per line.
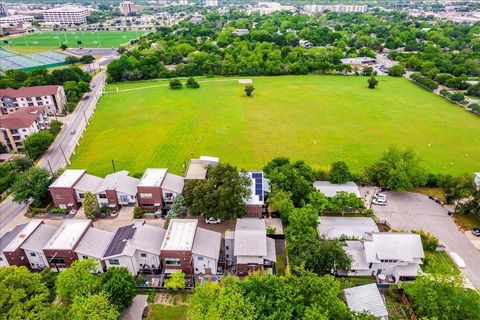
<point>51,171</point>
<point>66,160</point>
<point>113,165</point>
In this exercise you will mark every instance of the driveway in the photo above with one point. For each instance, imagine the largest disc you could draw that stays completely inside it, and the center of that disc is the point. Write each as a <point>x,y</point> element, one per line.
<point>412,211</point>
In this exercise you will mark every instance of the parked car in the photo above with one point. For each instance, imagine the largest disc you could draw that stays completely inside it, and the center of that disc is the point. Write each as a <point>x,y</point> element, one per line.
<point>459,262</point>
<point>380,196</point>
<point>476,232</point>
<point>73,132</point>
<point>212,220</point>
<point>379,202</point>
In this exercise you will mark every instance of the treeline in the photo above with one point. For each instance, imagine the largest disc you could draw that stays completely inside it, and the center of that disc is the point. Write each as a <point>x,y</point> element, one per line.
<point>74,80</point>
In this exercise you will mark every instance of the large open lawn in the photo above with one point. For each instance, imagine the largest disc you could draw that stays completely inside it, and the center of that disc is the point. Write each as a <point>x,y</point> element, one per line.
<point>316,118</point>
<point>88,38</point>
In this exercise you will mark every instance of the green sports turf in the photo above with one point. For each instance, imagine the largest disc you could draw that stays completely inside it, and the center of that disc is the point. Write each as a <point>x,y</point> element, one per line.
<point>316,118</point>
<point>88,38</point>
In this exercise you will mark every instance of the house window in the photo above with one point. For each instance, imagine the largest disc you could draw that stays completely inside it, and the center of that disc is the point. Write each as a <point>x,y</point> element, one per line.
<point>102,196</point>
<point>114,262</point>
<point>81,195</point>
<point>57,260</point>
<point>228,256</point>
<point>168,195</point>
<point>226,247</point>
<point>200,258</point>
<point>59,196</point>
<point>370,265</point>
<point>123,198</point>
<point>146,195</point>
<point>33,254</point>
<point>86,257</point>
<point>24,130</point>
<point>172,261</point>
<point>143,255</point>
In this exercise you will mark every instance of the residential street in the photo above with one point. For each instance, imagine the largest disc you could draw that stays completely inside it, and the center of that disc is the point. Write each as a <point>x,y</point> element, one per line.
<point>62,147</point>
<point>412,211</point>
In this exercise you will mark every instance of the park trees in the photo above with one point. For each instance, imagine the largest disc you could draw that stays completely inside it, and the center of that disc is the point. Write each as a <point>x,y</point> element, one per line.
<point>339,172</point>
<point>32,185</point>
<point>460,187</point>
<point>71,60</point>
<point>280,201</point>
<point>88,58</point>
<point>95,306</point>
<point>221,194</point>
<point>120,286</point>
<point>90,205</point>
<point>37,143</point>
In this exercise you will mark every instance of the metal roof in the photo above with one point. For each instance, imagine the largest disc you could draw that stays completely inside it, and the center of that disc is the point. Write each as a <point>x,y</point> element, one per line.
<point>9,236</point>
<point>331,189</point>
<point>398,246</point>
<point>94,243</point>
<point>351,227</point>
<point>23,235</point>
<point>180,235</point>
<point>152,177</point>
<point>68,178</point>
<point>250,238</point>
<point>173,183</point>
<point>207,243</point>
<point>39,238</point>
<point>88,183</point>
<point>366,298</point>
<point>119,181</point>
<point>68,234</point>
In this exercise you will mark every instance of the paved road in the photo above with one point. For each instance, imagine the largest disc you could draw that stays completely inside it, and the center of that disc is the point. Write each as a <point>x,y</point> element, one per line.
<point>63,146</point>
<point>412,211</point>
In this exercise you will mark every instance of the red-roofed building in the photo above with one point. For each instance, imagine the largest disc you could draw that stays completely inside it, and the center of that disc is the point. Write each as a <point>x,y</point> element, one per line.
<point>16,126</point>
<point>51,97</point>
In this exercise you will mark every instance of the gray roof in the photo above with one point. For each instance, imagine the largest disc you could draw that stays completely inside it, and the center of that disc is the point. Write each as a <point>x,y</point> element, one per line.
<point>119,181</point>
<point>207,243</point>
<point>351,227</point>
<point>119,240</point>
<point>24,234</point>
<point>331,189</point>
<point>69,234</point>
<point>250,238</point>
<point>135,311</point>
<point>174,183</point>
<point>197,169</point>
<point>9,236</point>
<point>88,183</point>
<point>39,238</point>
<point>94,243</point>
<point>366,298</point>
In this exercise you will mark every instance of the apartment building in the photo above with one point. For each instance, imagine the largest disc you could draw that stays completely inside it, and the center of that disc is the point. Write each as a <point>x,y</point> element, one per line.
<point>11,252</point>
<point>67,15</point>
<point>314,8</point>
<point>18,125</point>
<point>3,10</point>
<point>51,97</point>
<point>157,188</point>
<point>128,7</point>
<point>16,20</point>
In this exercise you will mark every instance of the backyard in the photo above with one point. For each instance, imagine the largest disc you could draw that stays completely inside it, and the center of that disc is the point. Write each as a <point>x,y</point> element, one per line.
<point>319,119</point>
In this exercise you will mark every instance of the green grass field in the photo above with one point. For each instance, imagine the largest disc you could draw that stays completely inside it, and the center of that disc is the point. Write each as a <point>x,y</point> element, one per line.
<point>88,38</point>
<point>161,312</point>
<point>319,119</point>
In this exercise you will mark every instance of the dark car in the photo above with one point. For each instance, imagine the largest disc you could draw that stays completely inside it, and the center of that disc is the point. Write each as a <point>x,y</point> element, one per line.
<point>476,232</point>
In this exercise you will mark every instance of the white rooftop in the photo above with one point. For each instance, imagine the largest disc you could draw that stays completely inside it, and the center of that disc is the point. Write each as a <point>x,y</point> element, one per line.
<point>330,189</point>
<point>207,243</point>
<point>88,183</point>
<point>174,183</point>
<point>351,227</point>
<point>397,246</point>
<point>68,234</point>
<point>68,178</point>
<point>152,177</point>
<point>180,235</point>
<point>38,239</point>
<point>23,235</point>
<point>366,298</point>
<point>197,168</point>
<point>94,243</point>
<point>250,238</point>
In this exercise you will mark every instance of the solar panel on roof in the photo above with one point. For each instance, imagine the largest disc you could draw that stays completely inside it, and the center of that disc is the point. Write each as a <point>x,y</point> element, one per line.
<point>256,175</point>
<point>118,242</point>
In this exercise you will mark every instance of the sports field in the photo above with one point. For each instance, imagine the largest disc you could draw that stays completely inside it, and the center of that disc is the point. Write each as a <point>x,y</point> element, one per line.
<point>316,118</point>
<point>89,39</point>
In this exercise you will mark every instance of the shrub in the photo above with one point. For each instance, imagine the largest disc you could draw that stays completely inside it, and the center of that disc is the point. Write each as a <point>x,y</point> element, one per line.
<point>475,107</point>
<point>59,211</point>
<point>429,241</point>
<point>137,212</point>
<point>457,97</point>
<point>55,127</point>
<point>367,212</point>
<point>445,93</point>
<point>396,71</point>
<point>271,231</point>
<point>175,84</point>
<point>423,81</point>
<point>192,83</point>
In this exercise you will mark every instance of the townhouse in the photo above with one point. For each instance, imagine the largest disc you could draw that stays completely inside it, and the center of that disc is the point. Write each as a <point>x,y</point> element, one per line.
<point>11,252</point>
<point>33,247</point>
<point>93,246</point>
<point>62,189</point>
<point>248,248</point>
<point>259,186</point>
<point>117,189</point>
<point>59,250</point>
<point>51,97</point>
<point>387,254</point>
<point>157,188</point>
<point>16,126</point>
<point>136,247</point>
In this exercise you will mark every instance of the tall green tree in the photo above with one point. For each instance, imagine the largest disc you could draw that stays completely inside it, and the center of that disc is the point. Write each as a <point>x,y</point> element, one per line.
<point>32,185</point>
<point>280,201</point>
<point>37,143</point>
<point>90,205</point>
<point>78,281</point>
<point>93,307</point>
<point>120,286</point>
<point>344,202</point>
<point>176,281</point>
<point>221,194</point>
<point>339,172</point>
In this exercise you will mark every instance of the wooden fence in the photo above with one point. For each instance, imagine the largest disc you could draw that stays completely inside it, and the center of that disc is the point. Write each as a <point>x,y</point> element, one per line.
<point>406,303</point>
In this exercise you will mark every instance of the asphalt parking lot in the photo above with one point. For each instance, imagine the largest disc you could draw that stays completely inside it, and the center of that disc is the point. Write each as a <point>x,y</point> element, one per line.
<point>412,211</point>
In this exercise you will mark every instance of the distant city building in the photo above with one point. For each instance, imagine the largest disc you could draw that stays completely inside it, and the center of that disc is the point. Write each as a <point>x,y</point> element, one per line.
<point>183,2</point>
<point>336,8</point>
<point>67,15</point>
<point>270,7</point>
<point>51,97</point>
<point>15,20</point>
<point>128,7</point>
<point>241,32</point>
<point>16,126</point>
<point>162,2</point>
<point>3,10</point>
<point>211,3</point>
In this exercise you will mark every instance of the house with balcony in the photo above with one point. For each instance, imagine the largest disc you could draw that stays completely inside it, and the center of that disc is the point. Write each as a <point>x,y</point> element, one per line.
<point>11,252</point>
<point>136,247</point>
<point>117,189</point>
<point>59,250</point>
<point>16,126</point>
<point>157,188</point>
<point>51,97</point>
<point>248,248</point>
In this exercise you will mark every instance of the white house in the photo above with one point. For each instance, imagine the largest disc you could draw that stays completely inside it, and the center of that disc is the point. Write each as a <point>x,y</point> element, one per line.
<point>117,189</point>
<point>33,246</point>
<point>135,247</point>
<point>331,189</point>
<point>388,253</point>
<point>87,183</point>
<point>353,228</point>
<point>206,251</point>
<point>172,186</point>
<point>368,299</point>
<point>93,246</point>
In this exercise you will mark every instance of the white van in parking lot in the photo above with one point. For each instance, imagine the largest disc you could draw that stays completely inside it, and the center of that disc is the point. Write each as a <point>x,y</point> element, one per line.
<point>379,201</point>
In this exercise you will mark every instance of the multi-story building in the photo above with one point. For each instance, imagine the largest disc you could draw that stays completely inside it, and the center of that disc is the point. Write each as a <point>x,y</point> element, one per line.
<point>93,246</point>
<point>51,97</point>
<point>33,247</point>
<point>16,126</point>
<point>17,20</point>
<point>336,8</point>
<point>211,3</point>
<point>3,10</point>
<point>259,186</point>
<point>11,252</point>
<point>128,7</point>
<point>67,15</point>
<point>157,188</point>
<point>117,189</point>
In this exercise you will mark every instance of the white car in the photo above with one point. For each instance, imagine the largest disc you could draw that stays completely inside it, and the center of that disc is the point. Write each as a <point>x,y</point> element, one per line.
<point>212,220</point>
<point>459,262</point>
<point>380,202</point>
<point>380,196</point>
